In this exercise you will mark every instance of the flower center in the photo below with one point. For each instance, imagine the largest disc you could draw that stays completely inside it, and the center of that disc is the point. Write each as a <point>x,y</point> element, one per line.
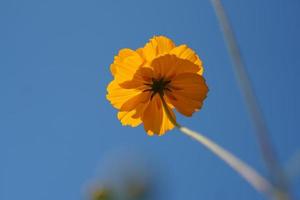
<point>158,86</point>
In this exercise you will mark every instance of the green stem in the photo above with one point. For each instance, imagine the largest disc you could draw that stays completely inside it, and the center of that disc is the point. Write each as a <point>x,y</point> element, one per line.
<point>243,169</point>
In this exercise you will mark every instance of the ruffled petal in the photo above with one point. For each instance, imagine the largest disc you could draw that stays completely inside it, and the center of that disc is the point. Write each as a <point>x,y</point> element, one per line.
<point>125,65</point>
<point>184,52</point>
<point>123,53</point>
<point>155,119</point>
<point>188,92</point>
<point>158,45</point>
<point>127,118</point>
<point>169,66</point>
<point>132,117</point>
<point>118,95</point>
<point>133,102</point>
<point>142,76</point>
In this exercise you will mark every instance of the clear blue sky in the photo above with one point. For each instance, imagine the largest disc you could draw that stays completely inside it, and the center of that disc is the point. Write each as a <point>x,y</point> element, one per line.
<point>57,130</point>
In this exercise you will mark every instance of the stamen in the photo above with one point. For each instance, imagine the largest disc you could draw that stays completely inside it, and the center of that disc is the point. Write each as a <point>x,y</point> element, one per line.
<point>158,86</point>
<point>147,90</point>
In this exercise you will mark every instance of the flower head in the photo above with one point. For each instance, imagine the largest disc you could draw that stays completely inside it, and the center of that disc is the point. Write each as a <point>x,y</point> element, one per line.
<point>158,73</point>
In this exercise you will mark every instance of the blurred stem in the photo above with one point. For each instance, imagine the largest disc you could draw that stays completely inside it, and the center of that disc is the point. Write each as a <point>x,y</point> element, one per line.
<point>292,167</point>
<point>278,177</point>
<point>247,172</point>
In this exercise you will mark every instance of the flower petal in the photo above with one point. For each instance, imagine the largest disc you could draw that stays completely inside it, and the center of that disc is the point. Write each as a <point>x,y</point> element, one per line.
<point>132,117</point>
<point>118,95</point>
<point>125,65</point>
<point>127,118</point>
<point>158,45</point>
<point>188,92</point>
<point>155,119</point>
<point>142,76</point>
<point>133,102</point>
<point>168,66</point>
<point>184,52</point>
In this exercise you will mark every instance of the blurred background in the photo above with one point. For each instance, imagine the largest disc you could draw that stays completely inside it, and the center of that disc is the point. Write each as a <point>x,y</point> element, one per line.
<point>61,139</point>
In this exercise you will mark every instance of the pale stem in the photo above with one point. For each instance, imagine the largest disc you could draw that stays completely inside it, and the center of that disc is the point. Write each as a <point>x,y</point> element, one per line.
<point>247,172</point>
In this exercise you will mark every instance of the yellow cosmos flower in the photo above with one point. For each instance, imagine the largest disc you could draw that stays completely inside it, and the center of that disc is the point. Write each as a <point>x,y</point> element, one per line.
<point>150,82</point>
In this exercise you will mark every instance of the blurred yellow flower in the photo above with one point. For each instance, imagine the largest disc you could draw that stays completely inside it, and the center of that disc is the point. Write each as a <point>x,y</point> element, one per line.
<point>102,194</point>
<point>147,77</point>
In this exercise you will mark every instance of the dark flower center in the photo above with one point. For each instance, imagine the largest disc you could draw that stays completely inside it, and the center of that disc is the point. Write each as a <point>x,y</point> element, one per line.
<point>158,86</point>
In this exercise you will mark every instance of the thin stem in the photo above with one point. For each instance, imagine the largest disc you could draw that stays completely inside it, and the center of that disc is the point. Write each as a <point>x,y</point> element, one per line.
<point>292,167</point>
<point>247,172</point>
<point>167,110</point>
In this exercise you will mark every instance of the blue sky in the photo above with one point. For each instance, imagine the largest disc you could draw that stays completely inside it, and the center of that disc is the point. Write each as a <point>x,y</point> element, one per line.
<point>58,133</point>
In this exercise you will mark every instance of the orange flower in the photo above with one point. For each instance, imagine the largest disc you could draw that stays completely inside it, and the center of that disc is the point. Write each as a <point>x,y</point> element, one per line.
<point>149,77</point>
